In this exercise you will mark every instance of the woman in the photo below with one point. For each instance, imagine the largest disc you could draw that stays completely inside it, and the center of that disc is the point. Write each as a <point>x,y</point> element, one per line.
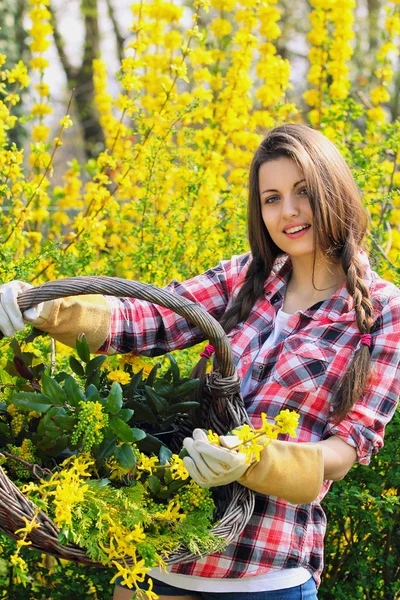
<point>313,329</point>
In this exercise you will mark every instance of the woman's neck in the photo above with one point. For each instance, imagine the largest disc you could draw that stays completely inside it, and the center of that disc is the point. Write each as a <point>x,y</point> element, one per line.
<point>306,288</point>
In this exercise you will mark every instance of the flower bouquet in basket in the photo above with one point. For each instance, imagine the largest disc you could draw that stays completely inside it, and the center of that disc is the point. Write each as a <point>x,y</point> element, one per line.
<point>93,457</point>
<point>91,450</point>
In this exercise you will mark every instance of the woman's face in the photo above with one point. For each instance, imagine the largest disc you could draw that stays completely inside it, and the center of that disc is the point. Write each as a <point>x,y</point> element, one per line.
<point>285,206</point>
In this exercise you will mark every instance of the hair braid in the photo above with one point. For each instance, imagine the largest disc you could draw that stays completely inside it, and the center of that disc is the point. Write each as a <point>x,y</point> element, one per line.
<point>354,381</point>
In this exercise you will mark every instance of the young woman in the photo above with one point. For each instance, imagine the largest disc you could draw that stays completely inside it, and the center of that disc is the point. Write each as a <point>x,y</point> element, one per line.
<point>313,329</point>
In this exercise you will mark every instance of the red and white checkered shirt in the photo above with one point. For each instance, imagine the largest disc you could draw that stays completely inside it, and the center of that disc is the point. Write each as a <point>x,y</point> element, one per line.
<point>301,372</point>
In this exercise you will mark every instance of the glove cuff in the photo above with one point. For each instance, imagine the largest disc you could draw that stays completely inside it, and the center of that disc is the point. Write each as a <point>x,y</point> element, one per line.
<point>288,470</point>
<point>66,318</point>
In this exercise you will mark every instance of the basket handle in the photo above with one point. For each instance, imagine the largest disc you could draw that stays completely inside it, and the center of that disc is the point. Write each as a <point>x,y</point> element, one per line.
<point>124,288</point>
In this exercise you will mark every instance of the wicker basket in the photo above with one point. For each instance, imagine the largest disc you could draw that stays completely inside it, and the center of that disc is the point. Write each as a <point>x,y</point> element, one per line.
<point>222,409</point>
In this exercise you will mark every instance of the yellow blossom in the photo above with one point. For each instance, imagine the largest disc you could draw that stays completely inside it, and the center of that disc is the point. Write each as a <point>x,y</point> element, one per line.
<point>287,421</point>
<point>120,376</point>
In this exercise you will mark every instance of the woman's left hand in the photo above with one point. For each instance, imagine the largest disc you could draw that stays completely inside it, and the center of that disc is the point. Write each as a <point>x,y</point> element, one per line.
<point>211,465</point>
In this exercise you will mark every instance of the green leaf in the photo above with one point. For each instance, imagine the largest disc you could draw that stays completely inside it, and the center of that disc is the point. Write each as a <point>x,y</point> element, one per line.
<point>105,449</point>
<point>73,391</point>
<point>76,366</point>
<point>54,448</point>
<point>28,357</point>
<point>183,453</point>
<point>34,334</point>
<point>53,389</point>
<point>164,455</point>
<point>47,421</point>
<point>138,434</point>
<point>176,484</point>
<point>174,368</point>
<point>185,389</point>
<point>51,431</point>
<point>93,379</point>
<point>157,402</point>
<point>142,412</point>
<point>16,348</point>
<point>122,430</point>
<point>5,377</point>
<point>134,383</point>
<point>67,422</point>
<point>152,374</point>
<point>163,388</point>
<point>114,399</point>
<point>154,484</point>
<point>5,430</point>
<point>92,393</point>
<point>82,348</point>
<point>125,414</point>
<point>31,401</point>
<point>150,444</point>
<point>94,364</point>
<point>182,407</point>
<point>125,457</point>
<point>164,494</point>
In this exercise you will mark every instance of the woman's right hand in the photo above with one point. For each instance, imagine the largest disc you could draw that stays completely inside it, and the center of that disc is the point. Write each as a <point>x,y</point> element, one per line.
<point>11,317</point>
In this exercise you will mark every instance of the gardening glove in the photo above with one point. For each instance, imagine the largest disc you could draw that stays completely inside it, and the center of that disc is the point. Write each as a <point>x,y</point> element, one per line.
<point>210,465</point>
<point>70,317</point>
<point>64,319</point>
<point>11,317</point>
<point>292,471</point>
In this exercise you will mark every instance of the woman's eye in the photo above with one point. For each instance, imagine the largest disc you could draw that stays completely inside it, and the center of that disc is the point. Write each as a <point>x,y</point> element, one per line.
<point>271,200</point>
<point>303,191</point>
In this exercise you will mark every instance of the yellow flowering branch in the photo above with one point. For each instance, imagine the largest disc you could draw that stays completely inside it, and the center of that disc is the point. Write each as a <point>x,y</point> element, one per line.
<point>65,123</point>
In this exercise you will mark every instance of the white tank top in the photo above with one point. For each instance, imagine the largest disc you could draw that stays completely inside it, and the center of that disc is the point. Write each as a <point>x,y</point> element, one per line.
<point>275,579</point>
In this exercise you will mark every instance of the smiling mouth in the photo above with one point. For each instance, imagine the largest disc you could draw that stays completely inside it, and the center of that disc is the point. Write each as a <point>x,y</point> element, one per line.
<point>297,229</point>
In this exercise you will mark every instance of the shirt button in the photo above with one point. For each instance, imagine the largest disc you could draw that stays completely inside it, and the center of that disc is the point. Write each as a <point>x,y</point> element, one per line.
<point>261,367</point>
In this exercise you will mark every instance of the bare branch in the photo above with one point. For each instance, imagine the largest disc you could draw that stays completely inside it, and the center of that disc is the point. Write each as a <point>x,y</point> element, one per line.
<point>117,30</point>
<point>60,45</point>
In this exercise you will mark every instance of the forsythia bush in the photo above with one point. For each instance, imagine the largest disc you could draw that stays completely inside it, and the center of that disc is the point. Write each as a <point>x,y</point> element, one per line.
<point>166,198</point>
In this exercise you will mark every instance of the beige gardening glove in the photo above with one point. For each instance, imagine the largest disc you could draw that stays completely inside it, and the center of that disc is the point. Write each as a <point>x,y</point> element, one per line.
<point>70,317</point>
<point>64,319</point>
<point>292,471</point>
<point>288,470</point>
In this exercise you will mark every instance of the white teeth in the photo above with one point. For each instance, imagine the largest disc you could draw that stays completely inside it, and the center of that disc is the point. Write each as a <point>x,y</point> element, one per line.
<point>294,229</point>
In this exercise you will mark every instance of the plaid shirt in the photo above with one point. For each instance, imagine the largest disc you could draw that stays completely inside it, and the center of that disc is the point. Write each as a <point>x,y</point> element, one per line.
<point>300,372</point>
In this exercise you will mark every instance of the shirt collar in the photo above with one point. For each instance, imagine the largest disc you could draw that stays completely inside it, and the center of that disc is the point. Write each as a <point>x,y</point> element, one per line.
<point>340,307</point>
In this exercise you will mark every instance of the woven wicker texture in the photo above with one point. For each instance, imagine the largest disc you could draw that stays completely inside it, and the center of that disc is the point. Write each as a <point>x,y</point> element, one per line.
<point>222,409</point>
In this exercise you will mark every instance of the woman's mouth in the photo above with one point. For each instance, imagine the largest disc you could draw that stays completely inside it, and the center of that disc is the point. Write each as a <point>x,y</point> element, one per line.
<point>296,232</point>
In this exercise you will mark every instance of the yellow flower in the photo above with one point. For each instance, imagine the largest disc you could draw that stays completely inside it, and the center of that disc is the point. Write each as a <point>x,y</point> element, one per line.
<point>28,525</point>
<point>171,513</point>
<point>66,122</point>
<point>120,376</point>
<point>177,468</point>
<point>213,437</point>
<point>380,94</point>
<point>287,421</point>
<point>147,463</point>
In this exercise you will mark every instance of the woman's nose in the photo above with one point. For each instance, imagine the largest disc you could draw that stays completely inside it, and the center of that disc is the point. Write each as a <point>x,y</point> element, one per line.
<point>290,206</point>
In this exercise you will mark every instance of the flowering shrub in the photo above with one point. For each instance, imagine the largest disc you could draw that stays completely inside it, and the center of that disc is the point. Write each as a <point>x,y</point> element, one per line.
<point>167,196</point>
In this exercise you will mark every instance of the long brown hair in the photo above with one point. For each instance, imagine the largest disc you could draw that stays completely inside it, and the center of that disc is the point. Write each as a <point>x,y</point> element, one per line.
<point>339,225</point>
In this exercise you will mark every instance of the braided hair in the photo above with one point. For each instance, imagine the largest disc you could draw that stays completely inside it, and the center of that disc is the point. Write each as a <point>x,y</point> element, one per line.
<point>339,225</point>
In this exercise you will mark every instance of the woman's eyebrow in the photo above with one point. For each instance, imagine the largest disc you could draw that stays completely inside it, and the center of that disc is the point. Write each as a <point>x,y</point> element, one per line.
<point>294,185</point>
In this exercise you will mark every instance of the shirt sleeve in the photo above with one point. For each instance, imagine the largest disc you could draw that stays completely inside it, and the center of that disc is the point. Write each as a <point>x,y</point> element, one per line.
<point>144,328</point>
<point>364,426</point>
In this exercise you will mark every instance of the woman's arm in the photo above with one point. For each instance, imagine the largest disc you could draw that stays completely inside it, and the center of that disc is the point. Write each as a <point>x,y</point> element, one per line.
<point>338,457</point>
<point>120,325</point>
